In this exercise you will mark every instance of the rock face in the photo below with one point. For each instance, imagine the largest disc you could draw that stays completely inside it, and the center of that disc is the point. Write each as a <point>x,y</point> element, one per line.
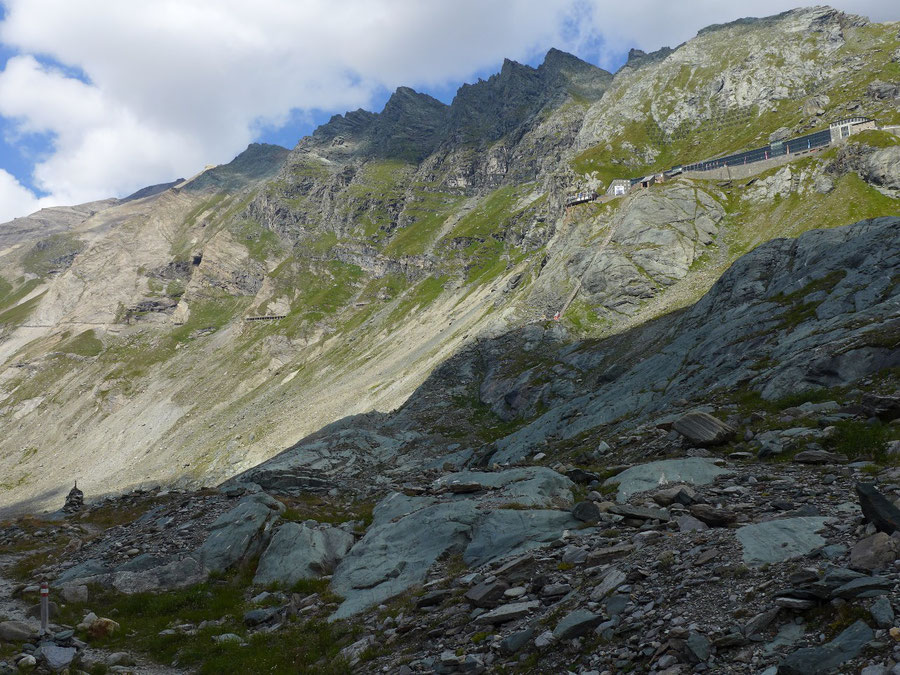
<point>239,533</point>
<point>815,660</point>
<point>301,552</point>
<point>409,534</point>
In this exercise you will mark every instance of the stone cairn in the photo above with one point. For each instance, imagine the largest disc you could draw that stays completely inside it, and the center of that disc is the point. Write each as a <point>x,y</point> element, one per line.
<point>74,500</point>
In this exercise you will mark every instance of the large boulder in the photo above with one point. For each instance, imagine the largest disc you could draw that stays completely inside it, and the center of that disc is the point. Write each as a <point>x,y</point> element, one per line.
<point>878,509</point>
<point>302,552</point>
<point>576,624</point>
<point>693,470</point>
<point>239,533</point>
<point>393,556</point>
<point>16,631</point>
<point>510,531</point>
<point>57,657</point>
<point>179,573</point>
<point>702,429</point>
<point>779,540</point>
<point>409,533</point>
<point>877,552</point>
<point>815,660</point>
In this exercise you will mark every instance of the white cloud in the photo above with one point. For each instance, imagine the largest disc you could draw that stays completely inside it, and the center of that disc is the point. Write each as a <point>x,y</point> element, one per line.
<point>175,84</point>
<point>15,199</point>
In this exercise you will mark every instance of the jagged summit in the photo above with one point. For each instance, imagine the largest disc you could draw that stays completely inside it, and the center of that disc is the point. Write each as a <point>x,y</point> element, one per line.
<point>257,161</point>
<point>413,124</point>
<point>409,127</point>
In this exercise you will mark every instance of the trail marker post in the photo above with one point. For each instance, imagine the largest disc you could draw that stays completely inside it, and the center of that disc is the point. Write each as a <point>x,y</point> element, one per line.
<point>45,607</point>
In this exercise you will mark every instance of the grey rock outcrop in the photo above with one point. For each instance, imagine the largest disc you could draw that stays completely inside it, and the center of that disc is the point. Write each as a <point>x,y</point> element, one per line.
<point>239,533</point>
<point>393,556</point>
<point>301,552</point>
<point>409,534</point>
<point>644,477</point>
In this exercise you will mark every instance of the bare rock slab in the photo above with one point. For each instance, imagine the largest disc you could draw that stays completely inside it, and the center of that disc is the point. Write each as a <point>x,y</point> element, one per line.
<point>238,533</point>
<point>302,552</point>
<point>393,556</point>
<point>779,540</point>
<point>576,624</point>
<point>703,429</point>
<point>510,612</point>
<point>650,476</point>
<point>815,660</point>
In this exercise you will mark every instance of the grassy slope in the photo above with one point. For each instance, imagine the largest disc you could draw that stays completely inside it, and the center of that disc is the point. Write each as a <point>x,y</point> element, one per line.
<point>738,129</point>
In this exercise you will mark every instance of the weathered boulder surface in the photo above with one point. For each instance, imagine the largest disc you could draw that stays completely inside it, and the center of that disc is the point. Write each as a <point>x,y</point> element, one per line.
<point>702,429</point>
<point>874,553</point>
<point>16,631</point>
<point>693,470</point>
<point>239,533</point>
<point>779,540</point>
<point>393,556</point>
<point>302,552</point>
<point>408,534</point>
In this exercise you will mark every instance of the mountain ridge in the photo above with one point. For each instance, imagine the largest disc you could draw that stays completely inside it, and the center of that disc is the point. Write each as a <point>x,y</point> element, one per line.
<point>377,259</point>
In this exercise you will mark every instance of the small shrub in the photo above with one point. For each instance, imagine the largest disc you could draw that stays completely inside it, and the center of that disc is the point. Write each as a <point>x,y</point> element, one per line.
<point>480,637</point>
<point>860,440</point>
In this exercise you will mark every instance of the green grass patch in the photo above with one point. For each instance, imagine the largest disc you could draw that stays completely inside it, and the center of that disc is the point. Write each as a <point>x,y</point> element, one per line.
<point>309,646</point>
<point>84,344</point>
<point>427,213</point>
<point>324,509</point>
<point>863,440</point>
<point>421,295</point>
<point>876,138</point>
<point>16,316</point>
<point>12,293</point>
<point>260,242</point>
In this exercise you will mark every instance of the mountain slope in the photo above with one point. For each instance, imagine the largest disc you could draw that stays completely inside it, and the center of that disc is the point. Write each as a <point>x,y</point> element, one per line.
<point>390,241</point>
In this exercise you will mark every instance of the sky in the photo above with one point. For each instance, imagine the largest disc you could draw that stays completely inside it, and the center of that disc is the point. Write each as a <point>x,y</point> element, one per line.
<point>99,98</point>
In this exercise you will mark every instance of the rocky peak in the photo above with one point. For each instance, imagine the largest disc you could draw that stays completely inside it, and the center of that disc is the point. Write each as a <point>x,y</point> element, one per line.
<point>570,74</point>
<point>485,111</point>
<point>638,57</point>
<point>408,127</point>
<point>489,109</point>
<point>259,160</point>
<point>352,123</point>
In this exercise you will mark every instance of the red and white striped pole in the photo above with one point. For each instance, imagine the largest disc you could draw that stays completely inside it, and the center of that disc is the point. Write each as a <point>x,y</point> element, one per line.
<point>45,607</point>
